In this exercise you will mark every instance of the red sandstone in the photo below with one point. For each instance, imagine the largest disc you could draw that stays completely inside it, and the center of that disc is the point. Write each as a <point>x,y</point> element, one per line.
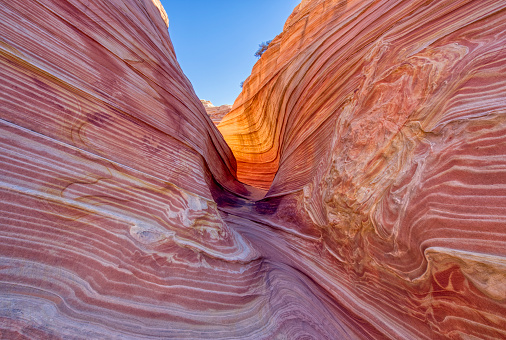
<point>362,192</point>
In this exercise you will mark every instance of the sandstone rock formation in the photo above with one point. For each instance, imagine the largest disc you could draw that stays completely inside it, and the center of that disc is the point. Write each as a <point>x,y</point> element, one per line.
<point>206,103</point>
<point>373,133</point>
<point>216,113</point>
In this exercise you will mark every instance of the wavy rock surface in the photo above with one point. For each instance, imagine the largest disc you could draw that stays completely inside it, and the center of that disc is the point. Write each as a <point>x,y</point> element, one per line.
<point>108,225</point>
<point>378,128</point>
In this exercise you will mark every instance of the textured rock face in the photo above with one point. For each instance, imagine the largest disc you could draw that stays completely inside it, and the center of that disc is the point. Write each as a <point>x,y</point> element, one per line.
<point>381,125</point>
<point>378,129</point>
<point>108,224</point>
<point>362,59</point>
<point>216,113</point>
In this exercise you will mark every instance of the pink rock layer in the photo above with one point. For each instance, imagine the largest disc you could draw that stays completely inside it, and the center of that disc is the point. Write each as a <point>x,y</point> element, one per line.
<point>373,131</point>
<point>216,113</point>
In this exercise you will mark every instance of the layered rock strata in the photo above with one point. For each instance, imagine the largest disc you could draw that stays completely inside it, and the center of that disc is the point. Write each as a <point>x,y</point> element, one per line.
<point>216,113</point>
<point>370,136</point>
<point>382,125</point>
<point>108,225</point>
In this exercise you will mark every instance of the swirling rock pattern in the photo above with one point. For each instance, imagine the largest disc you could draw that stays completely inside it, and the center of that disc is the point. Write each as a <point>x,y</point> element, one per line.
<point>382,124</point>
<point>372,133</point>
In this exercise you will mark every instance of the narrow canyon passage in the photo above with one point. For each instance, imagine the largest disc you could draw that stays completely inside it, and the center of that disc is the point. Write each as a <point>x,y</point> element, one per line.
<point>356,189</point>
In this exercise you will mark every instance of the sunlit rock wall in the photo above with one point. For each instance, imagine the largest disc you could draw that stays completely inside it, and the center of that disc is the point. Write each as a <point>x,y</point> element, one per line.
<point>378,129</point>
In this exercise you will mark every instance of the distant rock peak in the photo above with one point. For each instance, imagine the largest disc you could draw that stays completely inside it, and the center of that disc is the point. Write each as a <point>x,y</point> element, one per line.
<point>206,103</point>
<point>216,113</point>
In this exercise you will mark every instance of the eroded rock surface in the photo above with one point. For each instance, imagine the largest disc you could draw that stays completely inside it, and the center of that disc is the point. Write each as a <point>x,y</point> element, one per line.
<point>374,131</point>
<point>216,113</point>
<point>382,126</point>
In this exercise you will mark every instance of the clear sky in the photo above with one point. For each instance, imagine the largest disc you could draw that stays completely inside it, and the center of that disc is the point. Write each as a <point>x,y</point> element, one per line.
<point>215,41</point>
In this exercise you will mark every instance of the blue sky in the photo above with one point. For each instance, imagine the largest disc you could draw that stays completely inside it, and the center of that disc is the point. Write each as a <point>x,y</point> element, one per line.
<point>215,41</point>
